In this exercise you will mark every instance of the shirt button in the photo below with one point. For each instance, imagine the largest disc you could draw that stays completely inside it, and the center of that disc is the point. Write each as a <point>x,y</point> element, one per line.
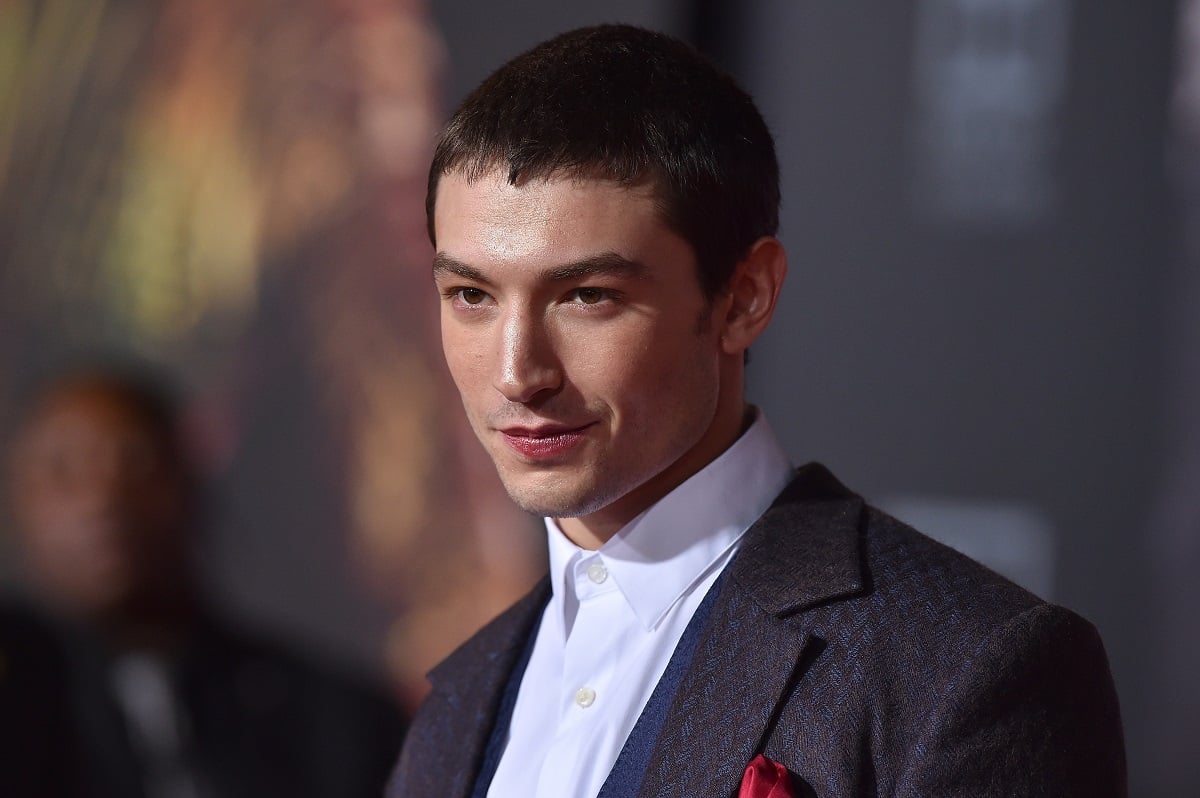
<point>597,573</point>
<point>585,697</point>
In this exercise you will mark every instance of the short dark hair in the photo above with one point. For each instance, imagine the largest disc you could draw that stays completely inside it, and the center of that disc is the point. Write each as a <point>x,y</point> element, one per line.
<point>621,103</point>
<point>149,393</point>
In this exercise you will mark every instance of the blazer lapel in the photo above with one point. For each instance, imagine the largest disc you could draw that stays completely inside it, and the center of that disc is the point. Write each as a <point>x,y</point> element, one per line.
<point>468,685</point>
<point>803,551</point>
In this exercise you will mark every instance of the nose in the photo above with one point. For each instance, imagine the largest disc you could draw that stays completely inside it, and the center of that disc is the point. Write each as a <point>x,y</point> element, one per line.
<point>107,484</point>
<point>529,366</point>
<point>93,488</point>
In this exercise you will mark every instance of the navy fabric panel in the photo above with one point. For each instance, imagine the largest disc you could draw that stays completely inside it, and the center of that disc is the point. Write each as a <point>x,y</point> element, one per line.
<point>627,773</point>
<point>499,737</point>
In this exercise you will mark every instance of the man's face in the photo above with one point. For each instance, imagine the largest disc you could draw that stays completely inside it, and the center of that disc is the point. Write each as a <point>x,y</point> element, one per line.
<point>100,503</point>
<point>575,328</point>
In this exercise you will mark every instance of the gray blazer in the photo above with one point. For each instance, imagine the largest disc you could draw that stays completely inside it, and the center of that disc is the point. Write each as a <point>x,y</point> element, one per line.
<point>867,658</point>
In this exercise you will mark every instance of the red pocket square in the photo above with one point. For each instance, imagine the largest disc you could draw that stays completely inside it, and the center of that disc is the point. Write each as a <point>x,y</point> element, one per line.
<point>766,778</point>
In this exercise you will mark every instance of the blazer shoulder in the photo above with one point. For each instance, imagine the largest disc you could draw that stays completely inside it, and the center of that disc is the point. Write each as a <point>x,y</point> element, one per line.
<point>926,664</point>
<point>498,640</point>
<point>928,610</point>
<point>823,553</point>
<point>821,544</point>
<point>906,567</point>
<point>446,740</point>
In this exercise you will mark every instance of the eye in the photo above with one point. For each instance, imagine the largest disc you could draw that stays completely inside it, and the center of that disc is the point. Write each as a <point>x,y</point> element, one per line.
<point>590,296</point>
<point>470,296</point>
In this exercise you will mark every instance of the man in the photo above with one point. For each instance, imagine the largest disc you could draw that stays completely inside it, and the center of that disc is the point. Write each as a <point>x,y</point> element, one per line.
<point>122,682</point>
<point>603,210</point>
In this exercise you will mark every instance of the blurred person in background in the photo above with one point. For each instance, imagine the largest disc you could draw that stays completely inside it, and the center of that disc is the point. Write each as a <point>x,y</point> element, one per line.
<point>236,187</point>
<point>118,679</point>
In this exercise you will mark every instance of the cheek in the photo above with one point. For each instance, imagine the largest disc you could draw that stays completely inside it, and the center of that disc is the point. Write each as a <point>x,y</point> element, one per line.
<point>52,508</point>
<point>464,357</point>
<point>654,378</point>
<point>55,541</point>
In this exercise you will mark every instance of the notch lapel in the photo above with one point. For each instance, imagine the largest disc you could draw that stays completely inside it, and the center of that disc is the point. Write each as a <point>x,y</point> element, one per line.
<point>804,551</point>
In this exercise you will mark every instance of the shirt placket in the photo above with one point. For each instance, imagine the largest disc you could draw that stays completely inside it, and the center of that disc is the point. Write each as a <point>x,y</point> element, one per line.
<point>589,664</point>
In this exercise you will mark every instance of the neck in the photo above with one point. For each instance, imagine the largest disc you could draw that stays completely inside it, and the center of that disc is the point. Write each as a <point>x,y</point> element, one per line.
<point>158,624</point>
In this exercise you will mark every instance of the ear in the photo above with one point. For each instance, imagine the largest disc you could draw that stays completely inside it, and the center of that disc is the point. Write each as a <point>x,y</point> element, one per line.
<point>752,293</point>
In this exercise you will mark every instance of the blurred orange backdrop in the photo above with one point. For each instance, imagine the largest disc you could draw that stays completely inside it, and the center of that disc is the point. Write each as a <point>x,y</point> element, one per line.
<point>234,190</point>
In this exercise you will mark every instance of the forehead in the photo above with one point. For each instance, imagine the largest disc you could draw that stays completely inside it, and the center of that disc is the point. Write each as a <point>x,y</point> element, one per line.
<point>83,411</point>
<point>546,221</point>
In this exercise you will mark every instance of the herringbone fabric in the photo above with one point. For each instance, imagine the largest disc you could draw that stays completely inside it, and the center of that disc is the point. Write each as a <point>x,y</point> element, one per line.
<point>867,658</point>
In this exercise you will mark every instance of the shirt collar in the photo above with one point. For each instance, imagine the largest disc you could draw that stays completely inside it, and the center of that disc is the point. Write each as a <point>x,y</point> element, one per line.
<point>660,555</point>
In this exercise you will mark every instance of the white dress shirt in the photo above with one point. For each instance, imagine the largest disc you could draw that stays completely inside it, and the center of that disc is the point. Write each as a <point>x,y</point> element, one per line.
<point>143,688</point>
<point>616,615</point>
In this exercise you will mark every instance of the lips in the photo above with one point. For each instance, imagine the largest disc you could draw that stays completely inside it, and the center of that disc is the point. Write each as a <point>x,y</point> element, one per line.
<point>546,442</point>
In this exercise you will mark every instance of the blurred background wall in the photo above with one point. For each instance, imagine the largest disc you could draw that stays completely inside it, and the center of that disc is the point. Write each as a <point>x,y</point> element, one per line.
<point>234,191</point>
<point>990,326</point>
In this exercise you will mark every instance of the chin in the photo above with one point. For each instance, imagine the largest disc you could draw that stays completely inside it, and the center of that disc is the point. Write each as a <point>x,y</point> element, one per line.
<point>540,499</point>
<point>549,506</point>
<point>550,497</point>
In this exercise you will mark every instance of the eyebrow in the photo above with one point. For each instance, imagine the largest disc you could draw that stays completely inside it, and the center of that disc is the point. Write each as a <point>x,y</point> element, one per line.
<point>608,264</point>
<point>444,265</point>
